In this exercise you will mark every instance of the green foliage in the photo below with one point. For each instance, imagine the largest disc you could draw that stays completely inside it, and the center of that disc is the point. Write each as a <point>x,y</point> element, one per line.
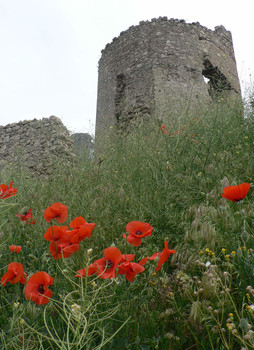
<point>172,178</point>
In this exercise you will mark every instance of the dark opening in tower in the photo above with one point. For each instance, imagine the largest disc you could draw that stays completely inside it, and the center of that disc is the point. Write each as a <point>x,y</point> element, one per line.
<point>119,96</point>
<point>216,80</point>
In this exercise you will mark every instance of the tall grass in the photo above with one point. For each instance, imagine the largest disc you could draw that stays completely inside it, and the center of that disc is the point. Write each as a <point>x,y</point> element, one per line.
<point>173,179</point>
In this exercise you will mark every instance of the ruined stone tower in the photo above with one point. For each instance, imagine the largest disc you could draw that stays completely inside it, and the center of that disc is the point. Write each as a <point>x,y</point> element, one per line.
<point>164,66</point>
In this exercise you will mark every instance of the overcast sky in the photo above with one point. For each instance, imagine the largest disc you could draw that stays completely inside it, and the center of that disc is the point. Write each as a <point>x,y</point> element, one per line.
<point>50,49</point>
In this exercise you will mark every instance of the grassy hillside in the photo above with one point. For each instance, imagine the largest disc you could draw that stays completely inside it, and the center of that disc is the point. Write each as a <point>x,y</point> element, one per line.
<point>172,177</point>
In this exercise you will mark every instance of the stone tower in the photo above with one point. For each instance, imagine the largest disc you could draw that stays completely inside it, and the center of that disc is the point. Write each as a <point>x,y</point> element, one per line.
<point>164,66</point>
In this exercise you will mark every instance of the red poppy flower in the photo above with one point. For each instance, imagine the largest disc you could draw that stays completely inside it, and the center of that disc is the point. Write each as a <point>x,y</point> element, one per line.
<point>105,267</point>
<point>6,191</point>
<point>163,256</point>
<point>56,211</point>
<point>15,248</point>
<point>36,288</point>
<point>137,230</point>
<point>60,242</point>
<point>27,216</point>
<point>14,274</point>
<point>55,233</point>
<point>130,270</point>
<point>62,249</point>
<point>164,129</point>
<point>82,228</point>
<point>236,193</point>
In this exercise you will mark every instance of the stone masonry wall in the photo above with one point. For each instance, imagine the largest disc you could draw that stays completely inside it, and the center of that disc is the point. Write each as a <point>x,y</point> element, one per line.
<point>35,144</point>
<point>159,67</point>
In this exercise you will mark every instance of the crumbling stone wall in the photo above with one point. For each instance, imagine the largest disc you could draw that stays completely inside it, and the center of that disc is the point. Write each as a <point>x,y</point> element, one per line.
<point>35,144</point>
<point>159,67</point>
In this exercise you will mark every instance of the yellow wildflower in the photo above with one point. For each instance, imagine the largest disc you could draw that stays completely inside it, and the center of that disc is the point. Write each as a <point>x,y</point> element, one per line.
<point>229,326</point>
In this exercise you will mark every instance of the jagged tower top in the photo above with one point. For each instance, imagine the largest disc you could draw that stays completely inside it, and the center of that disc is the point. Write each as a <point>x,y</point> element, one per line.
<point>161,66</point>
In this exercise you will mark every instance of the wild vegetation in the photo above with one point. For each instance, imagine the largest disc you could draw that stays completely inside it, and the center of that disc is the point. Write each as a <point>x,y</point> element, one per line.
<point>168,175</point>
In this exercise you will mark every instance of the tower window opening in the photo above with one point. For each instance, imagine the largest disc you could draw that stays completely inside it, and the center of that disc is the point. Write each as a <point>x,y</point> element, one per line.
<point>119,96</point>
<point>216,80</point>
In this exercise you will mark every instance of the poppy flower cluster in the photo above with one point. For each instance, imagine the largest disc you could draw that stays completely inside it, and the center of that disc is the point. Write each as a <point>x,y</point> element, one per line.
<point>163,128</point>
<point>63,240</point>
<point>36,287</point>
<point>236,193</point>
<point>107,267</point>
<point>115,262</point>
<point>61,244</point>
<point>6,191</point>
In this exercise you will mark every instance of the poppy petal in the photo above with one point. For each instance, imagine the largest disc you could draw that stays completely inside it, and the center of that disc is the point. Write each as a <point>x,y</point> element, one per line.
<point>113,254</point>
<point>77,222</point>
<point>90,270</point>
<point>133,240</point>
<point>56,211</point>
<point>139,228</point>
<point>36,288</point>
<point>15,248</point>
<point>236,193</point>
